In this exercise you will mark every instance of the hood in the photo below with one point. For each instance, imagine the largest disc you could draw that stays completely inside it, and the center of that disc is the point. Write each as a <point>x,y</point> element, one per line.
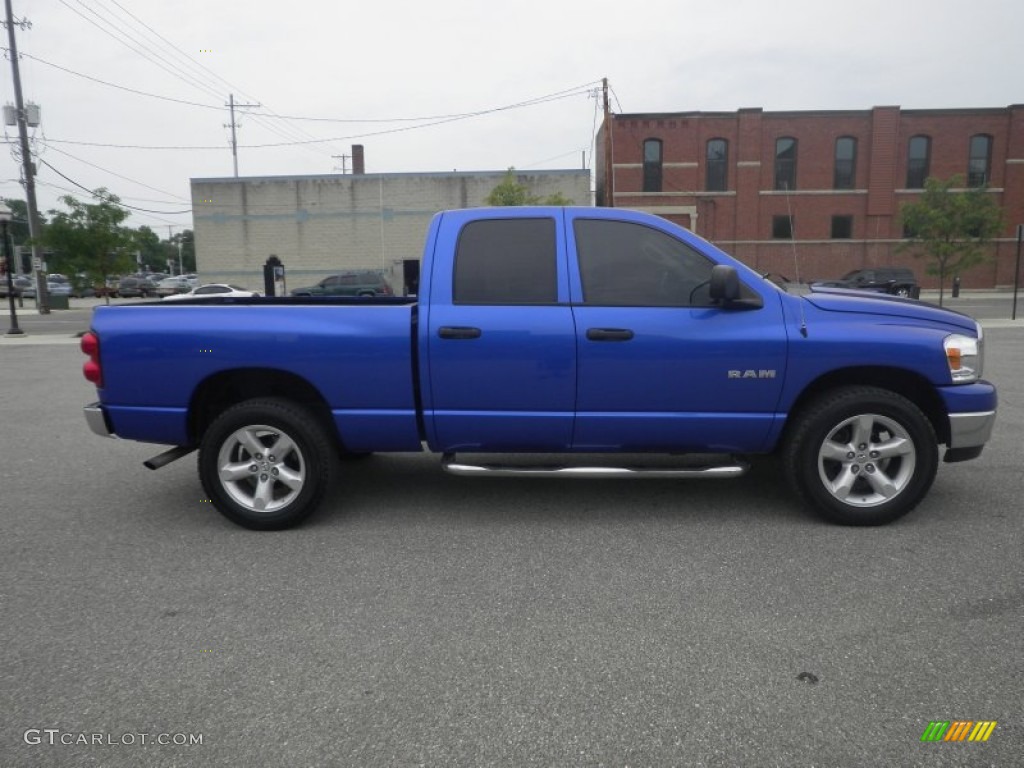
<point>870,303</point>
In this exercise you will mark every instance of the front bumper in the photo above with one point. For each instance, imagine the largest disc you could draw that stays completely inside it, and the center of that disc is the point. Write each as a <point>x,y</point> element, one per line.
<point>96,418</point>
<point>969,430</point>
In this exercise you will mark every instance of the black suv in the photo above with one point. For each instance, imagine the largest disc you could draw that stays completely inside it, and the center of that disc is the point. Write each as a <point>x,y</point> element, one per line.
<point>356,283</point>
<point>898,281</point>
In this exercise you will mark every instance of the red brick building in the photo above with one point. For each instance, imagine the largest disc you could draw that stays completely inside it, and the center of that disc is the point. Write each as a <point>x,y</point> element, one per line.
<point>821,188</point>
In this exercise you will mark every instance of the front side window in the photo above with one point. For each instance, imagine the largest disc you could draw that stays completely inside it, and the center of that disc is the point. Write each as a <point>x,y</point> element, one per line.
<point>785,163</point>
<point>717,165</point>
<point>633,265</point>
<point>652,165</point>
<point>846,163</point>
<point>980,162</point>
<point>919,155</point>
<point>506,261</point>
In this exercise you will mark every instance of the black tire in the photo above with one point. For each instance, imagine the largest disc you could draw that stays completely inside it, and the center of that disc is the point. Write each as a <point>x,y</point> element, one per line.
<point>284,489</point>
<point>902,291</point>
<point>861,455</point>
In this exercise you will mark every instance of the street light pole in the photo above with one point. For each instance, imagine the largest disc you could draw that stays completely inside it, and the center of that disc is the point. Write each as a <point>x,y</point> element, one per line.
<point>5,216</point>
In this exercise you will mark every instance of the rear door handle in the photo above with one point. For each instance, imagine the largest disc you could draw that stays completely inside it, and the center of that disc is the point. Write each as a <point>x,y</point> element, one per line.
<point>609,334</point>
<point>458,332</point>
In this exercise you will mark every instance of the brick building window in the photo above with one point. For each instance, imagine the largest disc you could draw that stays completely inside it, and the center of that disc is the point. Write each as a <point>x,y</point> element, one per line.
<point>785,163</point>
<point>919,157</point>
<point>846,163</point>
<point>782,227</point>
<point>979,164</point>
<point>652,165</point>
<point>842,227</point>
<point>717,160</point>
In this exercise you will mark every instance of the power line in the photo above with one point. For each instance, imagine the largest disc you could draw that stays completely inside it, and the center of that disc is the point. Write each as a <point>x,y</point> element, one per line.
<point>123,205</point>
<point>119,87</point>
<point>173,69</point>
<point>114,173</point>
<point>403,129</point>
<point>198,66</point>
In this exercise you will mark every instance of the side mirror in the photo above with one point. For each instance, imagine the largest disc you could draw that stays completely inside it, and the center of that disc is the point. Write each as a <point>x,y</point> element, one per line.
<point>725,283</point>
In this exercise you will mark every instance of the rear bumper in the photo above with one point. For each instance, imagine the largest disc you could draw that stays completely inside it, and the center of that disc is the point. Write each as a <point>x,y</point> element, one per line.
<point>96,418</point>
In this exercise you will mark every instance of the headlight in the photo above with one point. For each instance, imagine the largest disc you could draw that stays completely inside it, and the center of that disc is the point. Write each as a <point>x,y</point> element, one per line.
<point>965,356</point>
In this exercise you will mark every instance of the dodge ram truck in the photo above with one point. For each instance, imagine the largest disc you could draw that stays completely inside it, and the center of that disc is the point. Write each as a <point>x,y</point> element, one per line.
<point>548,330</point>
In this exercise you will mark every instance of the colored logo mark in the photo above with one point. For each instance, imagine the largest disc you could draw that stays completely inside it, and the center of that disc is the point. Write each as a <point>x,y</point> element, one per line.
<point>958,730</point>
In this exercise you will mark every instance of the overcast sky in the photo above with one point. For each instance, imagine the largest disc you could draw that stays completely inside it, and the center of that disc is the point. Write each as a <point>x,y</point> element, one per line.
<point>371,66</point>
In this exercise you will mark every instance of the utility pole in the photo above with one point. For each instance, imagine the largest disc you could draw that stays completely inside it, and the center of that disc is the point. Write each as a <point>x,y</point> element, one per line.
<point>35,231</point>
<point>609,154</point>
<point>344,162</point>
<point>234,141</point>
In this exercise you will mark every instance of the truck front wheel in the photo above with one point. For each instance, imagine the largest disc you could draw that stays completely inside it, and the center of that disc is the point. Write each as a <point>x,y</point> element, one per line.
<point>861,455</point>
<point>266,464</point>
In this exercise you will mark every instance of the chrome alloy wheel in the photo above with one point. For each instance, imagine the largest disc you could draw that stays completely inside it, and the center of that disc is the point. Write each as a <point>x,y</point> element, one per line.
<point>866,460</point>
<point>261,468</point>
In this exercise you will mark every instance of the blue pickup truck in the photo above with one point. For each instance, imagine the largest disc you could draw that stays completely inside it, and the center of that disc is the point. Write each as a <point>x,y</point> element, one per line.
<point>544,330</point>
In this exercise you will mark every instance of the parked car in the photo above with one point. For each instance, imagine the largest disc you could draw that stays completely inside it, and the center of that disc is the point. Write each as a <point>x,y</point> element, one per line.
<point>213,290</point>
<point>897,281</point>
<point>133,287</point>
<point>171,285</point>
<point>20,284</point>
<point>58,285</point>
<point>356,283</point>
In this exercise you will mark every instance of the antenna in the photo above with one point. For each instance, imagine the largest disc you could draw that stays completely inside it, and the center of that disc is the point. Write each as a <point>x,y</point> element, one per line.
<point>796,260</point>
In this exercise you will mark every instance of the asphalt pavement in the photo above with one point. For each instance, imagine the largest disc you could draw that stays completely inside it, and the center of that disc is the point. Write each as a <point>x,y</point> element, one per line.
<point>425,619</point>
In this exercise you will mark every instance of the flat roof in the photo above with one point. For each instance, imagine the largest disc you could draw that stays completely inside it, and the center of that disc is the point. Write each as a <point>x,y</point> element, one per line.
<point>417,175</point>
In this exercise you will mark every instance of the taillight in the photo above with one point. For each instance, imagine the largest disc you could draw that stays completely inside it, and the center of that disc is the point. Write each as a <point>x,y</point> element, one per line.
<point>91,370</point>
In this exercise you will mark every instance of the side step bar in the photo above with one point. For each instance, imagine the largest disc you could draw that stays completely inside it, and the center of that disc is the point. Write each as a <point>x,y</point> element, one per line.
<point>450,465</point>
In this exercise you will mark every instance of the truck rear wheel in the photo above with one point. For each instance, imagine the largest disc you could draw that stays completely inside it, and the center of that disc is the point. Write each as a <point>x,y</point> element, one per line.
<point>266,464</point>
<point>861,455</point>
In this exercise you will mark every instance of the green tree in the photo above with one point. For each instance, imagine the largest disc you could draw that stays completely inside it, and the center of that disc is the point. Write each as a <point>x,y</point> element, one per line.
<point>19,221</point>
<point>511,192</point>
<point>188,249</point>
<point>151,251</point>
<point>90,236</point>
<point>950,226</point>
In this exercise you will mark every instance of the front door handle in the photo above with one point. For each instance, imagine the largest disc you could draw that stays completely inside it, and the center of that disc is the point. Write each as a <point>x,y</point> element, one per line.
<point>609,334</point>
<point>458,332</point>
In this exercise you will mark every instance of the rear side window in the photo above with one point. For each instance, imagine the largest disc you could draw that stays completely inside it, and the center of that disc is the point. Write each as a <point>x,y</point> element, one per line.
<point>506,261</point>
<point>626,264</point>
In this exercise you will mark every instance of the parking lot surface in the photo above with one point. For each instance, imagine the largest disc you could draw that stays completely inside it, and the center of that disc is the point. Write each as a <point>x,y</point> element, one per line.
<point>424,619</point>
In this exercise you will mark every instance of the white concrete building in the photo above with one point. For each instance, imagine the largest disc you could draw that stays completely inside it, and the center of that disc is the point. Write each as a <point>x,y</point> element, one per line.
<point>319,225</point>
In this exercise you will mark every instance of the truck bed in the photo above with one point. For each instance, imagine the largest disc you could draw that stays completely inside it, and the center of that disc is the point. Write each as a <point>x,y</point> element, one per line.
<point>353,351</point>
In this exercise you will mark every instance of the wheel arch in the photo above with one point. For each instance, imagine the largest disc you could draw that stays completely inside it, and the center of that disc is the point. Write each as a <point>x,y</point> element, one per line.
<point>222,390</point>
<point>916,388</point>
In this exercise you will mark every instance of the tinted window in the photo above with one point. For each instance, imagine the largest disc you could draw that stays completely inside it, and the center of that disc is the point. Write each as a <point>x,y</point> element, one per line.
<point>785,163</point>
<point>652,165</point>
<point>919,151</point>
<point>782,227</point>
<point>980,160</point>
<point>717,165</point>
<point>842,226</point>
<point>624,264</point>
<point>846,162</point>
<point>506,261</point>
